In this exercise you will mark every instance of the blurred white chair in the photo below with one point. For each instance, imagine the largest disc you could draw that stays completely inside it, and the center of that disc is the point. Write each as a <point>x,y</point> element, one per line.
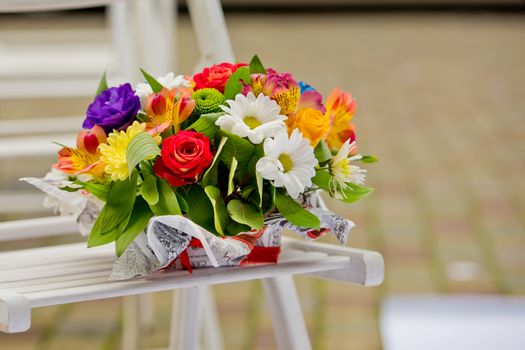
<point>453,322</point>
<point>138,28</point>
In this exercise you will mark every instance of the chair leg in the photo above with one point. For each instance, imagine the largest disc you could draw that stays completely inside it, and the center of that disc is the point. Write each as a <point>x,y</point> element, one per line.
<point>288,321</point>
<point>187,313</point>
<point>130,322</point>
<point>210,29</point>
<point>211,323</point>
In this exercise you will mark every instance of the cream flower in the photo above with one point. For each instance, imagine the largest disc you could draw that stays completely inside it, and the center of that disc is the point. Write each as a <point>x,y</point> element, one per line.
<point>341,169</point>
<point>113,154</point>
<point>170,81</point>
<point>288,162</point>
<point>253,117</point>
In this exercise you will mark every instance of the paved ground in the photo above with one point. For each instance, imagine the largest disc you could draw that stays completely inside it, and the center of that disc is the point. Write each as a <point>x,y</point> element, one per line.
<point>441,103</point>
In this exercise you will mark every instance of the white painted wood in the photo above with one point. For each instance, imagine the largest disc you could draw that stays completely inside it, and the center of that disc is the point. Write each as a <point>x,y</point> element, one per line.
<point>211,32</point>
<point>37,227</point>
<point>188,309</point>
<point>287,317</point>
<point>15,312</point>
<point>130,322</point>
<point>48,5</point>
<point>68,125</point>
<point>364,267</point>
<point>212,335</point>
<point>34,146</point>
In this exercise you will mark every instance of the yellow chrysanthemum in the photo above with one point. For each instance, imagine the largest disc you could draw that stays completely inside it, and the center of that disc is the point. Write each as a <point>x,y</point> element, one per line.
<point>114,152</point>
<point>311,123</point>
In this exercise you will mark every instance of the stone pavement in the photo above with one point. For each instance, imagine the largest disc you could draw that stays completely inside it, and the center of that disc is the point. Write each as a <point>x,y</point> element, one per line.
<point>441,103</point>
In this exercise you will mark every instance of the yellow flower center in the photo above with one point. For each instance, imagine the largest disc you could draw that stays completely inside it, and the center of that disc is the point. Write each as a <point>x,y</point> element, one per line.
<point>286,161</point>
<point>252,122</point>
<point>342,167</point>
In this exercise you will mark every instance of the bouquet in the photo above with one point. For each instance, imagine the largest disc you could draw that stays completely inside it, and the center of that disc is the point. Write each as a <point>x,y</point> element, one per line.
<point>208,170</point>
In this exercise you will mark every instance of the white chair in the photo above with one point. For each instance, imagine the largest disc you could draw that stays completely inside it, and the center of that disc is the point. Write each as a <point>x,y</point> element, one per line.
<point>66,274</point>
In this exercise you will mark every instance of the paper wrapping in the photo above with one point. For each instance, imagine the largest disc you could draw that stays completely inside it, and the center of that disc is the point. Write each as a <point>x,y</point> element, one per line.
<point>159,247</point>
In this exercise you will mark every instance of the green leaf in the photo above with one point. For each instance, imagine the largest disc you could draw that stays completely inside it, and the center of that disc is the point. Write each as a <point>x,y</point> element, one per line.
<point>259,181</point>
<point>234,228</point>
<point>369,159</point>
<point>256,66</point>
<point>119,203</point>
<point>96,238</point>
<point>234,84</point>
<point>322,152</point>
<point>138,220</point>
<point>220,214</point>
<point>236,147</point>
<point>182,201</point>
<point>322,179</point>
<point>155,85</point>
<point>200,207</point>
<point>142,147</point>
<point>295,213</point>
<point>231,175</point>
<point>102,85</point>
<point>167,204</point>
<point>210,176</point>
<point>149,189</point>
<point>268,198</point>
<point>245,213</point>
<point>98,190</point>
<point>355,192</point>
<point>206,124</point>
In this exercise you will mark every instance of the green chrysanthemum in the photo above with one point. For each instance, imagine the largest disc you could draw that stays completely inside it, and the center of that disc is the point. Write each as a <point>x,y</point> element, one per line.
<point>207,101</point>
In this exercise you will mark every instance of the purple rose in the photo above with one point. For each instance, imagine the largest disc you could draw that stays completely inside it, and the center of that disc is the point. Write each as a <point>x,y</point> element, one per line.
<point>114,108</point>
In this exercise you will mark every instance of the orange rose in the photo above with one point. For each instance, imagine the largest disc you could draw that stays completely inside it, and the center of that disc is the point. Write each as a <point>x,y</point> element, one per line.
<point>313,124</point>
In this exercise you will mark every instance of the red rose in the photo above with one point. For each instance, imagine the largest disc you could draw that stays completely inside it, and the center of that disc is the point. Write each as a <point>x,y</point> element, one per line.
<point>215,76</point>
<point>183,158</point>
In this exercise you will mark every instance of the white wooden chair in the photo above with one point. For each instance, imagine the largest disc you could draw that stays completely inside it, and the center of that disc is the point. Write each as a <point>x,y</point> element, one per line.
<point>71,273</point>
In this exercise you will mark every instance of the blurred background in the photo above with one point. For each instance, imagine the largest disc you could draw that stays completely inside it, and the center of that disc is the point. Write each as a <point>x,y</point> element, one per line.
<point>441,103</point>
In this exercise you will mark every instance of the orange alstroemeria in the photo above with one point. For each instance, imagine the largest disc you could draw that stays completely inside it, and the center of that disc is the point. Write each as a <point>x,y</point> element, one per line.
<point>85,158</point>
<point>167,108</point>
<point>340,108</point>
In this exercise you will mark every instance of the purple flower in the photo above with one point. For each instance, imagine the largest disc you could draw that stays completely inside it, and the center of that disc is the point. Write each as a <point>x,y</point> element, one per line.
<point>114,108</point>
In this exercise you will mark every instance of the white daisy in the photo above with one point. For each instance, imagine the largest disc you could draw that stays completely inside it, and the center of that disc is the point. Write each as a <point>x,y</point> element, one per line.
<point>253,117</point>
<point>341,169</point>
<point>170,81</point>
<point>288,162</point>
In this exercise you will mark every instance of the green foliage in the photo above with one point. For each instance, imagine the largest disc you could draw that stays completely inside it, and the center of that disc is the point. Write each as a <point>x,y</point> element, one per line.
<point>119,203</point>
<point>295,213</point>
<point>98,190</point>
<point>102,85</point>
<point>235,228</point>
<point>355,192</point>
<point>351,193</point>
<point>246,213</point>
<point>234,84</point>
<point>236,147</point>
<point>256,66</point>
<point>116,212</point>
<point>268,202</point>
<point>322,152</point>
<point>233,168</point>
<point>138,220</point>
<point>369,159</point>
<point>141,147</point>
<point>220,214</point>
<point>210,176</point>
<point>149,189</point>
<point>155,85</point>
<point>167,203</point>
<point>200,207</point>
<point>206,124</point>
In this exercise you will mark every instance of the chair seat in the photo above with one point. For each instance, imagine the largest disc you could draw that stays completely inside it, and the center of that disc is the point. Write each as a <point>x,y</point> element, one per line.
<point>72,273</point>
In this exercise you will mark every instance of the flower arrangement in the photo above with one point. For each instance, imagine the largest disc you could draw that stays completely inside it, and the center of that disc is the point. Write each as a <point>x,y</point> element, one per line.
<point>228,152</point>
